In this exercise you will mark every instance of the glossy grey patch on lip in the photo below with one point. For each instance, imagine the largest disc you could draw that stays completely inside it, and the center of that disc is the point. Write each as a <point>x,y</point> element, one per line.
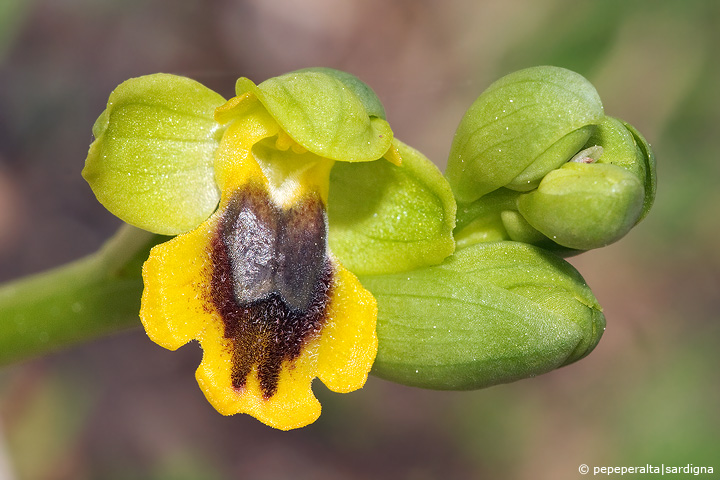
<point>270,281</point>
<point>302,246</point>
<point>249,234</point>
<point>275,250</point>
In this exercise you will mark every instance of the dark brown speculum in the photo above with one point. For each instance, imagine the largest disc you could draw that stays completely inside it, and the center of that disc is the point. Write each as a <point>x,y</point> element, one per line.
<point>270,281</point>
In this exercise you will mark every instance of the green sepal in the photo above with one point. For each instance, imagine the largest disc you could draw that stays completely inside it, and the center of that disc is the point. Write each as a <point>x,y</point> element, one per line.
<point>325,113</point>
<point>387,218</point>
<point>514,123</point>
<point>151,162</point>
<point>555,156</point>
<point>491,313</point>
<point>584,206</point>
<point>618,147</point>
<point>368,98</point>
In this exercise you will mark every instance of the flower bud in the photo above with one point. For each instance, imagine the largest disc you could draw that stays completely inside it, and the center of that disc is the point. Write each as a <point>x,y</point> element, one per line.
<point>592,202</point>
<point>570,177</point>
<point>523,126</point>
<point>584,206</point>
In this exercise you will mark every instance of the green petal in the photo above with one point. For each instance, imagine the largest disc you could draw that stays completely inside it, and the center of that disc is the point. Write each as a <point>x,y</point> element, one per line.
<point>386,218</point>
<point>151,163</point>
<point>324,113</point>
<point>527,123</point>
<point>491,313</point>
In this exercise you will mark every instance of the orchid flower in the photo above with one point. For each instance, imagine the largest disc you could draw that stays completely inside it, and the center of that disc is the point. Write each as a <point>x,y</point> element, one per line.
<point>245,184</point>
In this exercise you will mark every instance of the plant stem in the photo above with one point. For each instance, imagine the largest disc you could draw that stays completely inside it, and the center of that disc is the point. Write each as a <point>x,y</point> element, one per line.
<point>93,296</point>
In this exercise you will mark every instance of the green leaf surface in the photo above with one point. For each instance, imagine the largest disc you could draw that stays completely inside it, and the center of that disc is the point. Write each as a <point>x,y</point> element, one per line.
<point>514,123</point>
<point>491,313</point>
<point>151,163</point>
<point>325,113</point>
<point>386,218</point>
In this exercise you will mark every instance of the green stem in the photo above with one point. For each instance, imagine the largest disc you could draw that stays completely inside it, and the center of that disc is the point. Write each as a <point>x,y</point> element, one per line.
<point>82,300</point>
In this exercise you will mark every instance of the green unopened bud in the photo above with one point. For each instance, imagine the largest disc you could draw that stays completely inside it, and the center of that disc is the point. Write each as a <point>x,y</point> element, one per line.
<point>584,186</point>
<point>491,313</point>
<point>584,206</point>
<point>598,196</point>
<point>523,126</point>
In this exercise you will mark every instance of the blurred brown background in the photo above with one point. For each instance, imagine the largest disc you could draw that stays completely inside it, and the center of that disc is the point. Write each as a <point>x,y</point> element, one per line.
<point>123,408</point>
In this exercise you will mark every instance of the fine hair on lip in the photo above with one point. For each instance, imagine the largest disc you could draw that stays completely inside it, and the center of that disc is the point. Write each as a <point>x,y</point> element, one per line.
<point>270,282</point>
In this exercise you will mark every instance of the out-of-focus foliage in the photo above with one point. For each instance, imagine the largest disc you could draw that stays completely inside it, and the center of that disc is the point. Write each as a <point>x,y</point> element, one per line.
<point>12,16</point>
<point>649,393</point>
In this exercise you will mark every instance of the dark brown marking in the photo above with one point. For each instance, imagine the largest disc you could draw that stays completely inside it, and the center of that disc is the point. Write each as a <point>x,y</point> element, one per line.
<point>270,281</point>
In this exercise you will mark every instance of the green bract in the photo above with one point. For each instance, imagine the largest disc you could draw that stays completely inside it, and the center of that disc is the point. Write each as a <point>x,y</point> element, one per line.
<point>492,313</point>
<point>536,160</point>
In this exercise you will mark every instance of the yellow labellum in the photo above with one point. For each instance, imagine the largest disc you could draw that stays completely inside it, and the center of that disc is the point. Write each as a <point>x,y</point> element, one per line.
<point>256,285</point>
